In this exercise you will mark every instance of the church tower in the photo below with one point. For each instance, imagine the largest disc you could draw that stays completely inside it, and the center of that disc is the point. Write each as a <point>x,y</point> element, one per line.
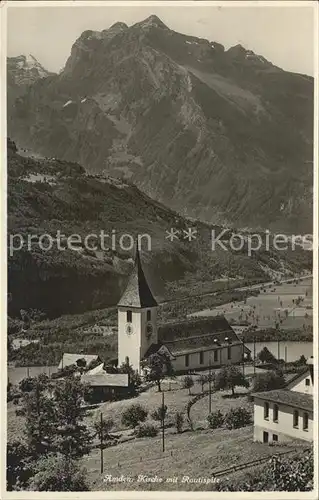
<point>137,318</point>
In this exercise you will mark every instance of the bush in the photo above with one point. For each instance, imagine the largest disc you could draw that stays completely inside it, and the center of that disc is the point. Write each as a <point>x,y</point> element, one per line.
<point>19,465</point>
<point>268,381</point>
<point>265,356</point>
<point>188,383</point>
<point>228,377</point>
<point>279,474</point>
<point>237,417</point>
<point>160,413</point>
<point>133,415</point>
<point>57,473</point>
<point>215,419</point>
<point>26,384</point>
<point>179,421</point>
<point>146,430</point>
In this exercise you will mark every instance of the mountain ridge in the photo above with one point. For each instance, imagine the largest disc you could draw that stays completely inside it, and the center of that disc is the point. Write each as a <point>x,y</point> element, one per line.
<point>224,136</point>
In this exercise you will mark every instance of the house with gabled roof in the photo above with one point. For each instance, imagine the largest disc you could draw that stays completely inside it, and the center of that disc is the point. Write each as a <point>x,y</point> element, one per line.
<point>286,414</point>
<point>106,386</point>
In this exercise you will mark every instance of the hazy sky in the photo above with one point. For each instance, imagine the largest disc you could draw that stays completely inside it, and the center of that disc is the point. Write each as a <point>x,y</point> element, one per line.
<point>284,35</point>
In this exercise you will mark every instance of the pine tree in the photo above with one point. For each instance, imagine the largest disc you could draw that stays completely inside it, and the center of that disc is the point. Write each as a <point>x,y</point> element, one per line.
<point>39,411</point>
<point>72,436</point>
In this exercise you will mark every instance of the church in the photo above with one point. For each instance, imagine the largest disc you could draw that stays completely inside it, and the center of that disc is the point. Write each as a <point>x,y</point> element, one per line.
<point>191,345</point>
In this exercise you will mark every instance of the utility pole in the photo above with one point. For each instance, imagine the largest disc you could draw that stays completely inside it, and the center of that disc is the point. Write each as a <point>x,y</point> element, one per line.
<point>243,358</point>
<point>286,349</point>
<point>210,385</point>
<point>101,443</point>
<point>163,423</point>
<point>254,355</point>
<point>278,349</point>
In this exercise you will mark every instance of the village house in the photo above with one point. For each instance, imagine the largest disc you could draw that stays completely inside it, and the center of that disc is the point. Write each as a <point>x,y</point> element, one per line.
<point>191,345</point>
<point>69,359</point>
<point>286,414</point>
<point>106,386</point>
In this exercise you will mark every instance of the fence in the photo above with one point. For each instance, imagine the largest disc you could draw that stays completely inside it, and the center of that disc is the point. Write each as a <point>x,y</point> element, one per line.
<point>252,463</point>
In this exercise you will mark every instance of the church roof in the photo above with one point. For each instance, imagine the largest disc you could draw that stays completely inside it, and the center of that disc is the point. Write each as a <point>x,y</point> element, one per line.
<point>182,337</point>
<point>198,327</point>
<point>137,292</point>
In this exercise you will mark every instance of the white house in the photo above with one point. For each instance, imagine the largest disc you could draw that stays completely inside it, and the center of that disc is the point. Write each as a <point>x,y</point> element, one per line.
<point>286,414</point>
<point>191,345</point>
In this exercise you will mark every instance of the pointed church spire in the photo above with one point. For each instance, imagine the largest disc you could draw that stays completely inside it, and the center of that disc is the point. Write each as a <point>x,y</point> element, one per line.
<point>137,292</point>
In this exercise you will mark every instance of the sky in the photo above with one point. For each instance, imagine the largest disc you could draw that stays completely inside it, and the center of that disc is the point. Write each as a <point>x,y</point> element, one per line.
<point>284,35</point>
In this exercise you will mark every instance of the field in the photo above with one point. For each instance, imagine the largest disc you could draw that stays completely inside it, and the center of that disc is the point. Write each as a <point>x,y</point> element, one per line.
<point>276,304</point>
<point>195,454</point>
<point>176,399</point>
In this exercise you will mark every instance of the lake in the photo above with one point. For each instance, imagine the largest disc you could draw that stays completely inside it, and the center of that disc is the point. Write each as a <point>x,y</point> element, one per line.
<point>293,352</point>
<point>293,349</point>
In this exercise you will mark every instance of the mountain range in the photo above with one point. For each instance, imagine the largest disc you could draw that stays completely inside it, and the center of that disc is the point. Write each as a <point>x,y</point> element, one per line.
<point>224,136</point>
<point>51,195</point>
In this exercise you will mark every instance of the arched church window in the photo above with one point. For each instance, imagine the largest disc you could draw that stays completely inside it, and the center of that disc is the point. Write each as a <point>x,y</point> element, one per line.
<point>148,315</point>
<point>129,316</point>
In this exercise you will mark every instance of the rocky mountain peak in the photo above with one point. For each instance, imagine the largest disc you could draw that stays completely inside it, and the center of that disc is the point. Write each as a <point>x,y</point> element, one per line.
<point>170,110</point>
<point>152,22</point>
<point>241,54</point>
<point>118,27</point>
<point>25,69</point>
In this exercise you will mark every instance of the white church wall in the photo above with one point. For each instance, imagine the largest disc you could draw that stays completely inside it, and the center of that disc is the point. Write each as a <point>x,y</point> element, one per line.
<point>146,338</point>
<point>194,360</point>
<point>129,344</point>
<point>135,344</point>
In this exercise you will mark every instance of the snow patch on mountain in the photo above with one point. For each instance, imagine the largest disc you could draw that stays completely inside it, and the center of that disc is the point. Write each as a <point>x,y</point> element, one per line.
<point>67,104</point>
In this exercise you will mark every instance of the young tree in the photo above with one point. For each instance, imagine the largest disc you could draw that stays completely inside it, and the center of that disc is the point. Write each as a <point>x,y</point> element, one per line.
<point>179,421</point>
<point>202,380</point>
<point>81,364</point>
<point>160,413</point>
<point>269,381</point>
<point>265,356</point>
<point>72,437</point>
<point>188,383</point>
<point>103,429</point>
<point>158,366</point>
<point>133,415</point>
<point>133,376</point>
<point>229,377</point>
<point>302,360</point>
<point>58,473</point>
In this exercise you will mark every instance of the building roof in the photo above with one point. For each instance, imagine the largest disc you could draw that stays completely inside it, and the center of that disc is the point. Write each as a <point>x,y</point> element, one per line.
<point>137,292</point>
<point>104,379</point>
<point>71,359</point>
<point>196,327</point>
<point>198,335</point>
<point>297,400</point>
<point>298,377</point>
